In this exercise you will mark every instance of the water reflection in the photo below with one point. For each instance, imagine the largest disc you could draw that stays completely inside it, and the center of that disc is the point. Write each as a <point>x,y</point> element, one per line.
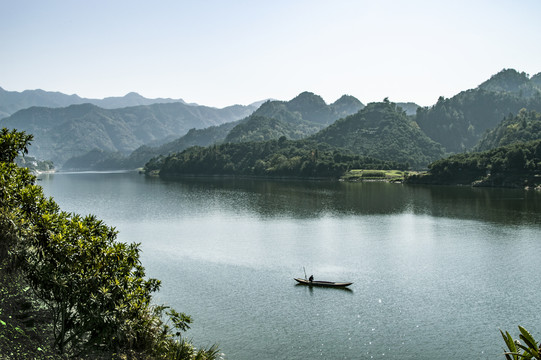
<point>311,289</point>
<point>313,199</point>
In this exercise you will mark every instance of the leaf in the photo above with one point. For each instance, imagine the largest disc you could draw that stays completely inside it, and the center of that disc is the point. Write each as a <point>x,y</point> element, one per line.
<point>527,354</point>
<point>529,340</point>
<point>509,341</point>
<point>3,323</point>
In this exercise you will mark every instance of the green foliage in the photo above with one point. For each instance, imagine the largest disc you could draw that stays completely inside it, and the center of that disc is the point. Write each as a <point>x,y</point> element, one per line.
<point>93,286</point>
<point>524,127</point>
<point>515,165</point>
<point>457,123</point>
<point>12,143</point>
<point>276,158</point>
<point>260,128</point>
<point>512,81</point>
<point>517,351</point>
<point>382,131</point>
<point>383,175</point>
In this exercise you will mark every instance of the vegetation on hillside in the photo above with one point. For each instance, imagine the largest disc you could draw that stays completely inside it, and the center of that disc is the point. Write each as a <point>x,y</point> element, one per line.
<point>459,122</point>
<point>524,127</point>
<point>86,137</point>
<point>92,288</point>
<point>260,128</point>
<point>275,158</point>
<point>100,160</point>
<point>62,133</point>
<point>512,81</point>
<point>383,131</point>
<point>516,165</point>
<point>298,118</point>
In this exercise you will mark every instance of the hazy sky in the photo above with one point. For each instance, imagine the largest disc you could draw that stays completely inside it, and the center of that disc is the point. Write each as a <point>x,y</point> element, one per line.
<point>220,53</point>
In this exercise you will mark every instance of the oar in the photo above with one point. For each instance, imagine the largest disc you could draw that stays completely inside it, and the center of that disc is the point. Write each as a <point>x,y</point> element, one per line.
<point>305,277</point>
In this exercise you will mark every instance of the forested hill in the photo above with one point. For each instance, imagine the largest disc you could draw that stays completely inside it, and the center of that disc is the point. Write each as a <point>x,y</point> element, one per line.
<point>304,115</point>
<point>459,122</point>
<point>514,82</point>
<point>62,133</point>
<point>516,165</point>
<point>383,131</point>
<point>101,160</point>
<point>275,158</point>
<point>523,127</point>
<point>298,118</point>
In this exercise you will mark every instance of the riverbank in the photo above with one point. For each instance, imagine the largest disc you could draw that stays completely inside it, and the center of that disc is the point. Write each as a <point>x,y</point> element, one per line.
<point>527,181</point>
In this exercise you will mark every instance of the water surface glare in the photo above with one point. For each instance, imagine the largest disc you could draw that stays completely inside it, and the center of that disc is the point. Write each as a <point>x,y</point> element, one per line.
<point>437,271</point>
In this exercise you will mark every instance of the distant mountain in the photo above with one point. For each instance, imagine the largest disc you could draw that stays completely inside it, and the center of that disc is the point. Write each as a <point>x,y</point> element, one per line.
<point>13,101</point>
<point>96,159</point>
<point>300,117</point>
<point>140,156</point>
<point>382,131</point>
<point>62,133</point>
<point>523,127</point>
<point>459,122</point>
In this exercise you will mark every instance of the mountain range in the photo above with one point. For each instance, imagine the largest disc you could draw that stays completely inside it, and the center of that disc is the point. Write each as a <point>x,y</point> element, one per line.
<point>91,136</point>
<point>13,101</point>
<point>62,133</point>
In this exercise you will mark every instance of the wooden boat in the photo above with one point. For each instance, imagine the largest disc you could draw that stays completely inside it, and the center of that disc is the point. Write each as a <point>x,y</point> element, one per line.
<point>322,283</point>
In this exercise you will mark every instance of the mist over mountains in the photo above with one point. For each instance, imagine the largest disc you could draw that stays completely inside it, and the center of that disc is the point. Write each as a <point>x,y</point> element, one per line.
<point>13,101</point>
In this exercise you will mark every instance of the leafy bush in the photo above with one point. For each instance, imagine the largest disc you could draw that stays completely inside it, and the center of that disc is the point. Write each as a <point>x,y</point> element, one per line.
<point>93,286</point>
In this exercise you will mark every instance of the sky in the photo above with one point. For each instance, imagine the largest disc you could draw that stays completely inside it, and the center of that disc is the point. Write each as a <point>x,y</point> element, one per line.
<point>220,53</point>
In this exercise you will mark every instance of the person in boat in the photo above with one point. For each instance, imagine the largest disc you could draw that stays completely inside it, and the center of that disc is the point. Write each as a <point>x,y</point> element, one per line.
<point>311,278</point>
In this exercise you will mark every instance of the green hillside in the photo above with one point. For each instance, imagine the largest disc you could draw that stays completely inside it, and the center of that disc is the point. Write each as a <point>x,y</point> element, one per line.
<point>524,127</point>
<point>298,118</point>
<point>261,128</point>
<point>383,131</point>
<point>459,122</point>
<point>304,115</point>
<point>75,130</point>
<point>512,81</point>
<point>516,165</point>
<point>275,158</point>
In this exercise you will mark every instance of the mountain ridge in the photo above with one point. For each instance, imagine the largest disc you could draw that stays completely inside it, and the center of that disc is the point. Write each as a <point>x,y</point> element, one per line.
<point>13,101</point>
<point>61,133</point>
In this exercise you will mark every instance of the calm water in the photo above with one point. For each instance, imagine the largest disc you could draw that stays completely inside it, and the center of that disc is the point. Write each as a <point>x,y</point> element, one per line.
<point>437,271</point>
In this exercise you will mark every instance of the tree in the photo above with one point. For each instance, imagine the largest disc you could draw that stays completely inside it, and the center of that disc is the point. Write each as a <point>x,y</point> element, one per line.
<point>93,286</point>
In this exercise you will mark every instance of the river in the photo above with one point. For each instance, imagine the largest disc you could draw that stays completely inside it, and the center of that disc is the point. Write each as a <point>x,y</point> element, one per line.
<point>437,271</point>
